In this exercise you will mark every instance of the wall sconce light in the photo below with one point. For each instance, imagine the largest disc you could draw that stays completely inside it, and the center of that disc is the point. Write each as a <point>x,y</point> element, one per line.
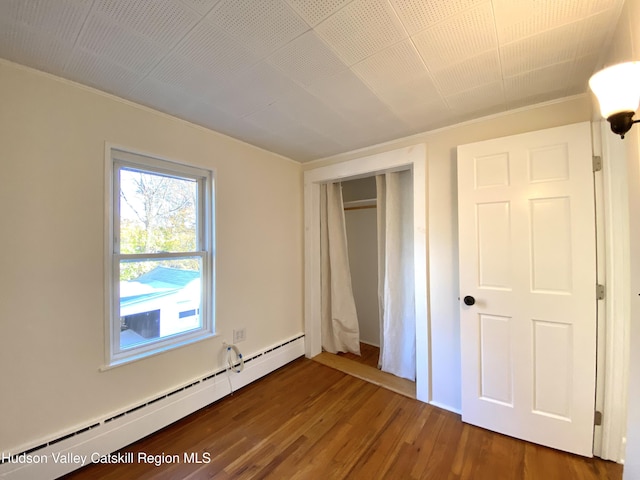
<point>618,91</point>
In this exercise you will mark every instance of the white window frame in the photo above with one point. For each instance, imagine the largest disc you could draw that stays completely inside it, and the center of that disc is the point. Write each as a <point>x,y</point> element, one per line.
<point>116,158</point>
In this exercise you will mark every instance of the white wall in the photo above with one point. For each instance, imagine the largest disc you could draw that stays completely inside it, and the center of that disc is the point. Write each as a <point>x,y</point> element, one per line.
<point>625,47</point>
<point>52,136</point>
<point>442,221</point>
<point>362,241</point>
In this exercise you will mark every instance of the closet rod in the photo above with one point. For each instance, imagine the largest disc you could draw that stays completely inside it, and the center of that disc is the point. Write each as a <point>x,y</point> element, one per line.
<point>361,207</point>
<point>360,204</point>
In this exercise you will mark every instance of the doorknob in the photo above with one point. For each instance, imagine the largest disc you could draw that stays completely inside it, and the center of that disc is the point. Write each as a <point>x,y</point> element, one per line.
<point>469,300</point>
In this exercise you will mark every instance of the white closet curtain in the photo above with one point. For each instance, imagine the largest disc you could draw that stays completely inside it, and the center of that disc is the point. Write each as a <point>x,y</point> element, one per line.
<point>340,331</point>
<point>396,291</point>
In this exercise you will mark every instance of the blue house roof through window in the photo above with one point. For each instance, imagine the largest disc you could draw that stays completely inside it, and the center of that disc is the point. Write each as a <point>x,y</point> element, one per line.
<point>158,282</point>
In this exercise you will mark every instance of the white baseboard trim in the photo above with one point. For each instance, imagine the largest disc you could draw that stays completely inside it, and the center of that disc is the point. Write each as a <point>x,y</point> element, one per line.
<point>114,433</point>
<point>446,407</point>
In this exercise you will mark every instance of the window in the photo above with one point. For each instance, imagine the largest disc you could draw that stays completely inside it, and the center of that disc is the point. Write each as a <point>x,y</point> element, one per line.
<point>161,255</point>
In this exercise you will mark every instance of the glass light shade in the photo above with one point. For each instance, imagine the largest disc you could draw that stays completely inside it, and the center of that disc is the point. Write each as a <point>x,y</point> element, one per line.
<point>617,88</point>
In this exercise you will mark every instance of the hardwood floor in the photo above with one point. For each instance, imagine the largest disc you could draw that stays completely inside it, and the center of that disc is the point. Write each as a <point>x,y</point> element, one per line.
<point>309,421</point>
<point>368,355</point>
<point>370,374</point>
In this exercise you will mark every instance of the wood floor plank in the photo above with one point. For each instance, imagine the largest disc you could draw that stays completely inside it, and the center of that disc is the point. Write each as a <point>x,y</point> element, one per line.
<point>368,373</point>
<point>369,355</point>
<point>309,421</point>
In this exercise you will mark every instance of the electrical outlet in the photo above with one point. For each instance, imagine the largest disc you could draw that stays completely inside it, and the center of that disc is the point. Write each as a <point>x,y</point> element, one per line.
<point>239,335</point>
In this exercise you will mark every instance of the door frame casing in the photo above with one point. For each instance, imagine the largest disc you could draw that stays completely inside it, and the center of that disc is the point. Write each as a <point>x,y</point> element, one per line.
<point>614,313</point>
<point>409,158</point>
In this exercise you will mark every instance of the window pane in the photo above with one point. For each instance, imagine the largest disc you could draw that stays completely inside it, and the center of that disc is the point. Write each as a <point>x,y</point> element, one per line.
<point>158,213</point>
<point>159,298</point>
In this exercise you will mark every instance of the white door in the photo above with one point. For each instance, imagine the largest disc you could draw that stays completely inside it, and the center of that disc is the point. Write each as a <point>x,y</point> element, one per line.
<point>528,259</point>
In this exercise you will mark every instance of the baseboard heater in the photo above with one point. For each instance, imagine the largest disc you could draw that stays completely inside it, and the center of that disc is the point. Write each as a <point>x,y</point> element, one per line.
<point>48,460</point>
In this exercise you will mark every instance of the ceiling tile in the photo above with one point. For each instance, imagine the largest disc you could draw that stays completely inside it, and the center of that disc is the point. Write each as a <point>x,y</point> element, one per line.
<point>305,152</point>
<point>416,15</point>
<point>347,93</point>
<point>260,26</point>
<point>116,44</point>
<point>463,36</point>
<point>594,31</point>
<point>581,70</point>
<point>22,44</point>
<point>201,6</point>
<point>537,51</point>
<point>98,72</point>
<point>306,59</point>
<point>315,11</point>
<point>423,115</point>
<point>161,21</point>
<point>302,135</point>
<point>184,75</point>
<point>211,117</point>
<point>255,136</point>
<point>361,28</point>
<point>208,115</point>
<point>350,98</point>
<point>255,89</point>
<point>392,67</point>
<point>533,99</point>
<point>272,118</point>
<point>214,50</point>
<point>480,99</point>
<point>303,142</point>
<point>315,113</point>
<point>539,85</point>
<point>239,102</point>
<point>268,81</point>
<point>516,20</point>
<point>302,108</point>
<point>308,138</point>
<point>382,128</point>
<point>596,6</point>
<point>416,92</point>
<point>381,122</point>
<point>61,19</point>
<point>469,74</point>
<point>160,96</point>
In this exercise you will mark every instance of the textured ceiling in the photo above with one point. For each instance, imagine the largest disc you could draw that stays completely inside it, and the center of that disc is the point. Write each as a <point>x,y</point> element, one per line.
<point>312,78</point>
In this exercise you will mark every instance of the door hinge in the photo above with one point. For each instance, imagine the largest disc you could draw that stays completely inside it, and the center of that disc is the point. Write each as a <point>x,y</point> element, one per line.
<point>600,292</point>
<point>597,418</point>
<point>597,163</point>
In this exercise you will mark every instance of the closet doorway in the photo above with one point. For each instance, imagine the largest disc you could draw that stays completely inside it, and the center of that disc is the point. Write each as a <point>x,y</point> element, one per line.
<point>360,214</point>
<point>410,158</point>
<point>361,218</point>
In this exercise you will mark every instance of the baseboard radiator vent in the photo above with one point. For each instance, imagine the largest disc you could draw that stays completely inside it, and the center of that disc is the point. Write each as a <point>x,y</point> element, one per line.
<point>118,431</point>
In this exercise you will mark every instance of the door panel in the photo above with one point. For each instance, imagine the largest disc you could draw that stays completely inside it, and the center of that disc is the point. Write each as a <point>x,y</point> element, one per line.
<point>495,359</point>
<point>552,353</point>
<point>527,256</point>
<point>550,245</point>
<point>494,243</point>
